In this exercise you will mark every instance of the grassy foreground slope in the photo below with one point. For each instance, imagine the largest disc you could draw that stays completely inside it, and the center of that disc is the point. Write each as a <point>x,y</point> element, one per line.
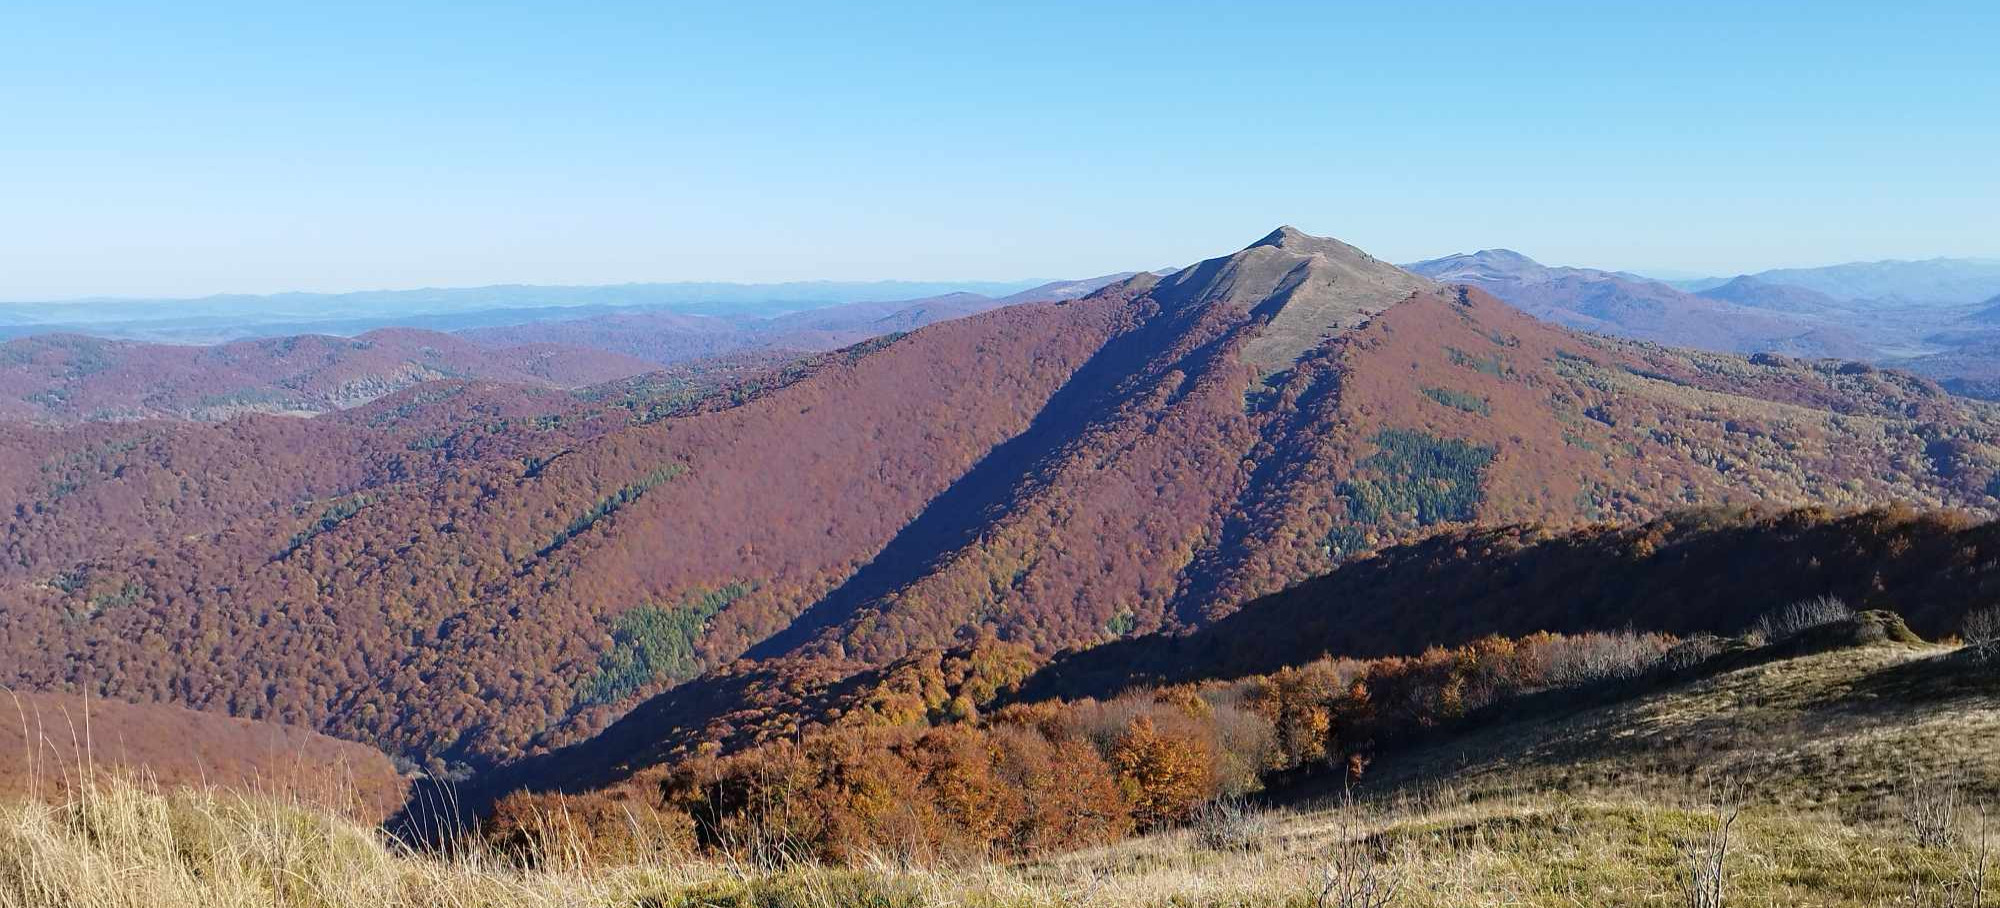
<point>1850,764</point>
<point>1848,730</point>
<point>131,847</point>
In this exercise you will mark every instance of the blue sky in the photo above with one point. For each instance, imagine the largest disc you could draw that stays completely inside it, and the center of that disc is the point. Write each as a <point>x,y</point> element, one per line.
<point>189,148</point>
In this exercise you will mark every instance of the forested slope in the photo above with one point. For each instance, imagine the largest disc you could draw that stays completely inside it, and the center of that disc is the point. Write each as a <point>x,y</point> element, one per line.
<point>467,573</point>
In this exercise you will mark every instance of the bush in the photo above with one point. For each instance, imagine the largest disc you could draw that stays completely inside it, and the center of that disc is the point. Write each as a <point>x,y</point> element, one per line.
<point>1693,651</point>
<point>1704,859</point>
<point>1591,658</point>
<point>1229,824</point>
<point>1930,807</point>
<point>555,831</point>
<point>1982,634</point>
<point>1792,620</point>
<point>1356,873</point>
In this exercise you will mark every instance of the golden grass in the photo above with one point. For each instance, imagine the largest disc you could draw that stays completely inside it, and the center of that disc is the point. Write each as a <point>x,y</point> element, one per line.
<point>1592,806</point>
<point>1839,731</point>
<point>122,844</point>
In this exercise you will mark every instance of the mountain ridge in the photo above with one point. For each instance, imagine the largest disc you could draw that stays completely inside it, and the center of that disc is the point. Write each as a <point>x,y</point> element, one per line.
<point>506,574</point>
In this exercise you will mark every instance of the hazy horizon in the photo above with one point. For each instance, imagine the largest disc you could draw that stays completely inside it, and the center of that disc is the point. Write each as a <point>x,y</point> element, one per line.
<point>926,287</point>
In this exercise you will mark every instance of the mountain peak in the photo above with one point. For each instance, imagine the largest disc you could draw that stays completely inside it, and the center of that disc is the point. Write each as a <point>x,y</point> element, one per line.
<point>1484,265</point>
<point>1285,233</point>
<point>1304,288</point>
<point>1504,255</point>
<point>1292,239</point>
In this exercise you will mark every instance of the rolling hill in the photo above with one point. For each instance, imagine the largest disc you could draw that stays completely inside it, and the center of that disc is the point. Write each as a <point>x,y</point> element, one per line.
<point>1938,282</point>
<point>672,337</point>
<point>50,744</point>
<point>69,378</point>
<point>1757,293</point>
<point>72,378</point>
<point>465,574</point>
<point>1728,319</point>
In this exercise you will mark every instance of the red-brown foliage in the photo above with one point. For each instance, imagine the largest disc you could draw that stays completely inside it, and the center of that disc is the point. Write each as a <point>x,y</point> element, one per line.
<point>447,572</point>
<point>50,743</point>
<point>1050,776</point>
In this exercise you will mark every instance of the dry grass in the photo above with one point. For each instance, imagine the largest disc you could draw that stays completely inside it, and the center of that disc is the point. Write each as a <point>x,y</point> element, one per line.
<point>1841,731</point>
<point>125,844</point>
<point>1602,806</point>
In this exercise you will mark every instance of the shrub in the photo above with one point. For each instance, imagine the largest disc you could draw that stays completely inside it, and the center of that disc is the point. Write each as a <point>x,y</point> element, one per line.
<point>1071,799</point>
<point>1355,874</point>
<point>1298,702</point>
<point>1789,621</point>
<point>1693,651</point>
<point>1229,824</point>
<point>1246,747</point>
<point>1705,861</point>
<point>1982,634</point>
<point>1591,658</point>
<point>554,831</point>
<point>1930,808</point>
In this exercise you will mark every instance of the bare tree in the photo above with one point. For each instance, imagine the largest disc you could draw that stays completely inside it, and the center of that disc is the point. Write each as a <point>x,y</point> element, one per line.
<point>1982,634</point>
<point>1355,876</point>
<point>1705,855</point>
<point>1931,810</point>
<point>1975,875</point>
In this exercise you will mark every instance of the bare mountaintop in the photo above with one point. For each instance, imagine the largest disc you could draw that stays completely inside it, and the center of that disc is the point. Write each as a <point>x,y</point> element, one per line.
<point>1305,288</point>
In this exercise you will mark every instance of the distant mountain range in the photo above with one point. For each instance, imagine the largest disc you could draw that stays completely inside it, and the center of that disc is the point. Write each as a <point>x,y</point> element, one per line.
<point>74,378</point>
<point>1631,306</point>
<point>1940,281</point>
<point>230,317</point>
<point>311,353</point>
<point>672,337</point>
<point>1939,318</point>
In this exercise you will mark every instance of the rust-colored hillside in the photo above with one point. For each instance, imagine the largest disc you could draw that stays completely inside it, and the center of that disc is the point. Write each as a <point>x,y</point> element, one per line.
<point>51,742</point>
<point>470,573</point>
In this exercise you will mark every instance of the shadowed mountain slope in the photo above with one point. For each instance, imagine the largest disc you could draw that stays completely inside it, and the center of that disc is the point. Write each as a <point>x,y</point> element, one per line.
<point>1687,573</point>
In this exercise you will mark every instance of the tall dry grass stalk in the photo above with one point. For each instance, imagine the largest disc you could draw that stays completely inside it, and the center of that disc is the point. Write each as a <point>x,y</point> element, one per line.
<point>123,843</point>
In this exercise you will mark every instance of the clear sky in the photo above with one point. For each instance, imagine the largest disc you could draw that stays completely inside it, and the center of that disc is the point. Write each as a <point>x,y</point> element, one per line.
<point>187,148</point>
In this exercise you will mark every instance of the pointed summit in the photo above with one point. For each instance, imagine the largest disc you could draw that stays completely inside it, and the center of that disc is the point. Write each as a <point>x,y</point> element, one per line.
<point>1285,233</point>
<point>1292,239</point>
<point>1306,288</point>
